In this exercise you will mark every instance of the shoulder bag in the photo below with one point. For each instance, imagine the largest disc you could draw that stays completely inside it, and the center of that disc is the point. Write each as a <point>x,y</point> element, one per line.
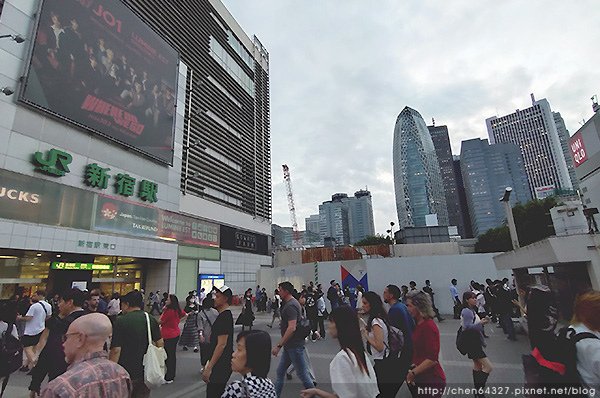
<point>154,362</point>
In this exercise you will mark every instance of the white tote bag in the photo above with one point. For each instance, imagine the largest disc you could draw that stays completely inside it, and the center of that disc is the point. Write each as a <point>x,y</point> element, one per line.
<point>154,362</point>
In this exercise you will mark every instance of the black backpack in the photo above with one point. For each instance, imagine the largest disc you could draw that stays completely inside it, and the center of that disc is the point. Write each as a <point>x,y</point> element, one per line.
<point>275,303</point>
<point>11,355</point>
<point>559,370</point>
<point>11,352</point>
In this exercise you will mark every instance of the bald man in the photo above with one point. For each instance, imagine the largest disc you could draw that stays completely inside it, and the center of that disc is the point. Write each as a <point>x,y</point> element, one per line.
<point>90,373</point>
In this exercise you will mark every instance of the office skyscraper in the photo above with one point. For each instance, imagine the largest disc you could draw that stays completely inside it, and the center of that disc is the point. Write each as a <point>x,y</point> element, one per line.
<point>441,142</point>
<point>563,135</point>
<point>462,199</point>
<point>534,131</point>
<point>312,223</point>
<point>360,211</point>
<point>334,222</point>
<point>347,219</point>
<point>487,170</point>
<point>417,179</point>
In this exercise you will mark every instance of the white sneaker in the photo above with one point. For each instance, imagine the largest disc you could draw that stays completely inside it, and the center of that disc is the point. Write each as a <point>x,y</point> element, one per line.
<point>168,381</point>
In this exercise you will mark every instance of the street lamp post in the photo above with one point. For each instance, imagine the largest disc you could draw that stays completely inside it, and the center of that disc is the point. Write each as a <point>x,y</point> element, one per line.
<point>512,229</point>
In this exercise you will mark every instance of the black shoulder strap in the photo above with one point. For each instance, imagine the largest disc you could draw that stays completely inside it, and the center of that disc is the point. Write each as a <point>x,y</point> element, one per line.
<point>4,384</point>
<point>44,307</point>
<point>207,318</point>
<point>584,335</point>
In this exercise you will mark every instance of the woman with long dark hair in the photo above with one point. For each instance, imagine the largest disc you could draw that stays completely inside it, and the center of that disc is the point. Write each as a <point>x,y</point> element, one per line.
<point>352,375</point>
<point>473,325</point>
<point>375,331</point>
<point>169,329</point>
<point>189,335</point>
<point>246,318</point>
<point>426,370</point>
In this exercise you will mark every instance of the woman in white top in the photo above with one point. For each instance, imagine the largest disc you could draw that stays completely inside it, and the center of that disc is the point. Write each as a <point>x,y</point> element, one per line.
<point>375,332</point>
<point>586,320</point>
<point>352,375</point>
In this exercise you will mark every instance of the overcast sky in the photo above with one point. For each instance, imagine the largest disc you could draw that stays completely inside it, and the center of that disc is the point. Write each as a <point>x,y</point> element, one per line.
<point>341,71</point>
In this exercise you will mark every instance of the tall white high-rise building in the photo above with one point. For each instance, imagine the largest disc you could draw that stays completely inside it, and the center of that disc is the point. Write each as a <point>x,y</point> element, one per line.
<point>534,131</point>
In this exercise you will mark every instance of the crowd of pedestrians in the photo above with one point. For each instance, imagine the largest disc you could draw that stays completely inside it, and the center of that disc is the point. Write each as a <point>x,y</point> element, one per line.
<point>85,342</point>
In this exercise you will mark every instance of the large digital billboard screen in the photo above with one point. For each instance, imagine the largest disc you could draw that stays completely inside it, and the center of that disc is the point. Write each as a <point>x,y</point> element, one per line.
<point>96,64</point>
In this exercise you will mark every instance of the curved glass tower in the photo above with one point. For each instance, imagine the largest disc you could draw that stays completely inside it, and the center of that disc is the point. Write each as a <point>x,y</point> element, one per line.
<point>417,178</point>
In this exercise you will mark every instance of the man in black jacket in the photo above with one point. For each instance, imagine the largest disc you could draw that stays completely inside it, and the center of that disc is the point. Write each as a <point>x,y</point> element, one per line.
<point>332,295</point>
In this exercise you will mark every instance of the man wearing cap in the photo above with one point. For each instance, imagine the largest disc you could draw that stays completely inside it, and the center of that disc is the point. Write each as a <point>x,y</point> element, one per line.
<point>218,369</point>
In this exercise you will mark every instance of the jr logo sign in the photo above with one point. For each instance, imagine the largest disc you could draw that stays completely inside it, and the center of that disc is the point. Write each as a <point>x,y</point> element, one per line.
<point>55,164</point>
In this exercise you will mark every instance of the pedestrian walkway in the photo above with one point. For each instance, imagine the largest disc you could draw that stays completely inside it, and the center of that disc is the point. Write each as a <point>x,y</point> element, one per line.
<point>504,354</point>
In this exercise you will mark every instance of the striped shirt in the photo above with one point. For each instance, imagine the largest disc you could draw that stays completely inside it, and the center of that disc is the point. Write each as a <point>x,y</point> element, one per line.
<point>94,376</point>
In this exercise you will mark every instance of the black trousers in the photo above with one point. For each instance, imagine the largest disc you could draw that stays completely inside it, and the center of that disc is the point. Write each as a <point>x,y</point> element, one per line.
<point>46,366</point>
<point>205,353</point>
<point>389,377</point>
<point>218,381</point>
<point>171,361</point>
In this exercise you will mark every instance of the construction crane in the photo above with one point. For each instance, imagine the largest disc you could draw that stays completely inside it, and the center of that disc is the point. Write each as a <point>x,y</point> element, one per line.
<point>296,239</point>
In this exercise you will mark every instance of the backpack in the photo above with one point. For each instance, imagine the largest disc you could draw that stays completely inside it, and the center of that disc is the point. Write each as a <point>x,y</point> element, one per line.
<point>561,370</point>
<point>303,328</point>
<point>395,341</point>
<point>11,352</point>
<point>275,303</point>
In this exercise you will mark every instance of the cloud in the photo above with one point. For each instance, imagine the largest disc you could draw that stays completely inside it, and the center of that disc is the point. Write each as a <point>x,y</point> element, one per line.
<point>341,72</point>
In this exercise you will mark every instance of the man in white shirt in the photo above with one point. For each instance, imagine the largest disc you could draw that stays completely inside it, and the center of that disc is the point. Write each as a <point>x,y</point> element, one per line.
<point>35,320</point>
<point>201,296</point>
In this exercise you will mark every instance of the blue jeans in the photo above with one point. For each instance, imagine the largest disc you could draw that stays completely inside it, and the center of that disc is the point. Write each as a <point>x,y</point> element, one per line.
<point>297,357</point>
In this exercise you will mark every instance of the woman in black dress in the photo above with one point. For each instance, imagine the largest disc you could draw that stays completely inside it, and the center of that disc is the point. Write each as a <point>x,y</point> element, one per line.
<point>246,318</point>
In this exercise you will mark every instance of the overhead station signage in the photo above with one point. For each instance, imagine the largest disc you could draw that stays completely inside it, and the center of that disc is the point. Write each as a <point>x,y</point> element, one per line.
<point>98,66</point>
<point>81,266</point>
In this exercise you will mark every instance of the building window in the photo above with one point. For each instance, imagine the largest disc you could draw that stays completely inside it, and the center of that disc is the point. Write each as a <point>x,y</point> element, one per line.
<point>223,159</point>
<point>224,91</point>
<point>222,196</point>
<point>223,123</point>
<point>230,65</point>
<point>239,48</point>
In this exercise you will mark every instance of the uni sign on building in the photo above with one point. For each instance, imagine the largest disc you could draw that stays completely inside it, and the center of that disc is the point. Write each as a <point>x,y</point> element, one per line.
<point>134,146</point>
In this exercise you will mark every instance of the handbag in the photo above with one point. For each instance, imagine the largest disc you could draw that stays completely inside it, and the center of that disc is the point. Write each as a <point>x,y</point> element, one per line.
<point>466,339</point>
<point>154,362</point>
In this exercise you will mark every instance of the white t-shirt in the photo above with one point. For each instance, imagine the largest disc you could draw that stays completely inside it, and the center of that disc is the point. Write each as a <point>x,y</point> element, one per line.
<point>4,326</point>
<point>35,326</point>
<point>343,368</point>
<point>379,354</point>
<point>359,296</point>
<point>114,307</point>
<point>588,357</point>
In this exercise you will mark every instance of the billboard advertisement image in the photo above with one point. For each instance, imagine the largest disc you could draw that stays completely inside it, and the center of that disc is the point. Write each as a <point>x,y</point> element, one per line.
<point>96,64</point>
<point>129,218</point>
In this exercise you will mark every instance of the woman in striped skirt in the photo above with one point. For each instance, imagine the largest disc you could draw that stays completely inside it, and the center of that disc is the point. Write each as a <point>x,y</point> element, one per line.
<point>189,335</point>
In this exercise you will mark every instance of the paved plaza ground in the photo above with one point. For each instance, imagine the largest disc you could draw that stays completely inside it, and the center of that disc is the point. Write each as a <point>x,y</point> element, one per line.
<point>504,354</point>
